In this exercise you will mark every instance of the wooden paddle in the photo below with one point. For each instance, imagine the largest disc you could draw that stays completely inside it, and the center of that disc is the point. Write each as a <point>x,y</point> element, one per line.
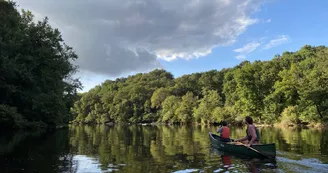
<point>239,143</point>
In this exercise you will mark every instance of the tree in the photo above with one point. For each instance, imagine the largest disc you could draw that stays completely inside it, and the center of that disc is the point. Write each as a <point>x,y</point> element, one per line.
<point>170,105</point>
<point>211,100</point>
<point>292,87</point>
<point>312,84</point>
<point>158,97</point>
<point>184,111</point>
<point>250,92</point>
<point>36,70</point>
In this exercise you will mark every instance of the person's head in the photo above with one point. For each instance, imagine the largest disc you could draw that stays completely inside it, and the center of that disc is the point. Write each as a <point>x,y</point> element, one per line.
<point>249,120</point>
<point>224,123</point>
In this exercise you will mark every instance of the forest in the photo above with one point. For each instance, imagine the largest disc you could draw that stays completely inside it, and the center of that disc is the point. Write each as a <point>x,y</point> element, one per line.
<point>290,89</point>
<point>37,87</point>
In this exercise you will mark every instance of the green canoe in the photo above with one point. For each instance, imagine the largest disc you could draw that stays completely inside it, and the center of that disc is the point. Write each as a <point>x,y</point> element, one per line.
<point>266,149</point>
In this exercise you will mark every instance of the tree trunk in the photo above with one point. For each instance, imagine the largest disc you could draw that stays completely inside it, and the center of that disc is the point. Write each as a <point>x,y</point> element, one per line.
<point>318,110</point>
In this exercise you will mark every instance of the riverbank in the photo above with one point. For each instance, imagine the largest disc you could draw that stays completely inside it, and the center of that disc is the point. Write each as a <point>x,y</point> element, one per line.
<point>279,125</point>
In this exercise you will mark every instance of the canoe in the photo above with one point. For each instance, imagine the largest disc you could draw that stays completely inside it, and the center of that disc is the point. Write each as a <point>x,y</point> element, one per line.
<point>266,149</point>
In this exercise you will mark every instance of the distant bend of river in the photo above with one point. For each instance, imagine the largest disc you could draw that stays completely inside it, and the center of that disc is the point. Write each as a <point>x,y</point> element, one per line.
<point>137,148</point>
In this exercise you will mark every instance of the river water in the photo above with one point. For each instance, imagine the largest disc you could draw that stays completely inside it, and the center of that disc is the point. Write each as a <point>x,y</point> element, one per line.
<point>137,148</point>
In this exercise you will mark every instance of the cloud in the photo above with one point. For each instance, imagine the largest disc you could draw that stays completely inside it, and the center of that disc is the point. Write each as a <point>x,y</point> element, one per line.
<point>240,57</point>
<point>90,79</point>
<point>246,49</point>
<point>276,42</point>
<point>266,21</point>
<point>114,37</point>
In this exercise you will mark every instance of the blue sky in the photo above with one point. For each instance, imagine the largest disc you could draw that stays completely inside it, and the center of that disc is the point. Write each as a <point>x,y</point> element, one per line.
<point>118,38</point>
<point>302,22</point>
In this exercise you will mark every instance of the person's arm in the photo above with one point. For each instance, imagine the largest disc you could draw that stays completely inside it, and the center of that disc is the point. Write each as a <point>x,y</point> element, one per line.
<point>219,130</point>
<point>253,133</point>
<point>241,139</point>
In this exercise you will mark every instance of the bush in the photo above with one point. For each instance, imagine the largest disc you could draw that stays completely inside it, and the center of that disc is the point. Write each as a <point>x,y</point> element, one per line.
<point>225,113</point>
<point>151,117</point>
<point>290,116</point>
<point>10,118</point>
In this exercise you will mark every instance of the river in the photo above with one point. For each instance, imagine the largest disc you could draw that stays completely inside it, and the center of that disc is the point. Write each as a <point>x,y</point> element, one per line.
<point>137,148</point>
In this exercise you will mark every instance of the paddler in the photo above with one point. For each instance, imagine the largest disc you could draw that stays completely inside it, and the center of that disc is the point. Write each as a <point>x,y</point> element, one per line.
<point>252,133</point>
<point>224,130</point>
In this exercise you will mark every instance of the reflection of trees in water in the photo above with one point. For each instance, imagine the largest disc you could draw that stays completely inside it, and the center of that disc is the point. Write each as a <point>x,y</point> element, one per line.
<point>242,163</point>
<point>138,146</point>
<point>141,148</point>
<point>36,152</point>
<point>68,165</point>
<point>167,147</point>
<point>9,141</point>
<point>324,143</point>
<point>302,141</point>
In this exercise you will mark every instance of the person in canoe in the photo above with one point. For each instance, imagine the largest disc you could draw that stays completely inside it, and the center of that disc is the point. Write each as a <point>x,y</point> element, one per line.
<point>252,133</point>
<point>224,131</point>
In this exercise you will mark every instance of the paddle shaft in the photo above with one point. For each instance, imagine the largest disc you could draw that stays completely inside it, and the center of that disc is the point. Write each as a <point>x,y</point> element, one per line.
<point>252,149</point>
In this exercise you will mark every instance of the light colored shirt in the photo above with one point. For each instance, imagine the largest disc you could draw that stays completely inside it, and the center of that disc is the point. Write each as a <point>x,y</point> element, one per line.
<point>219,130</point>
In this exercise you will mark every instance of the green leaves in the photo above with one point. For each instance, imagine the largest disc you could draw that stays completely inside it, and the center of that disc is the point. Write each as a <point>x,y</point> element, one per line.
<point>36,70</point>
<point>158,97</point>
<point>137,98</point>
<point>185,110</point>
<point>301,88</point>
<point>210,101</point>
<point>291,88</point>
<point>170,105</point>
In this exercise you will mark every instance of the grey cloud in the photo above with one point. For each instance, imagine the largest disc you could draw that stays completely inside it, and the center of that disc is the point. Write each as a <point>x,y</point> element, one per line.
<point>119,36</point>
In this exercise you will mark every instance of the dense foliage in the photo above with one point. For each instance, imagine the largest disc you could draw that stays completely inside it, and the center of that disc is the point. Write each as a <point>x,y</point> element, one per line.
<point>36,87</point>
<point>291,88</point>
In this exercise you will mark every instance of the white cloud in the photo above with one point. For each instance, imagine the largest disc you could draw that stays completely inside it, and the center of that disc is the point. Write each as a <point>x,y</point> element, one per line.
<point>276,42</point>
<point>246,49</point>
<point>240,57</point>
<point>117,37</point>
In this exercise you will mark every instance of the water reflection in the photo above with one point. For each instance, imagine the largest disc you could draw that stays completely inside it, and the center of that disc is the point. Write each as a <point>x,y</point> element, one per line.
<point>136,148</point>
<point>240,163</point>
<point>35,152</point>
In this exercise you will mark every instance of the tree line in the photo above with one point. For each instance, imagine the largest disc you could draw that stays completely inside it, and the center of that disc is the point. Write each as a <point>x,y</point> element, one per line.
<point>37,89</point>
<point>291,88</point>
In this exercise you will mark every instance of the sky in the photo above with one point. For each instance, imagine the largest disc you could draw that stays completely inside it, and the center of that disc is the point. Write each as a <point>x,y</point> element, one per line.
<point>117,38</point>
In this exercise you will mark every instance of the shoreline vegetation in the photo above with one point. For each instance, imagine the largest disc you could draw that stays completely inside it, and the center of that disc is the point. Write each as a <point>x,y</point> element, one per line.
<point>277,125</point>
<point>289,90</point>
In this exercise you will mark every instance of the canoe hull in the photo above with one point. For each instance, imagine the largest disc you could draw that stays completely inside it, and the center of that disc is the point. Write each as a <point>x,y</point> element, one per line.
<point>267,149</point>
